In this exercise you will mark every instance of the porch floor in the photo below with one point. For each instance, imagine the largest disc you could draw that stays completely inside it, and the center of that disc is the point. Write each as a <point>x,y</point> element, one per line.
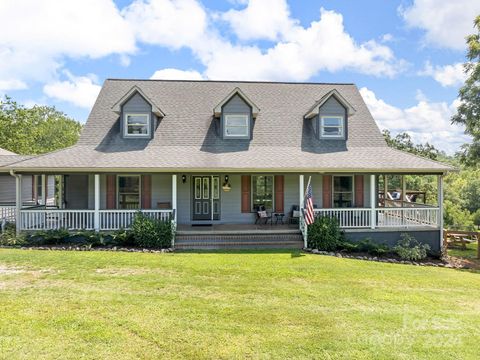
<point>235,229</point>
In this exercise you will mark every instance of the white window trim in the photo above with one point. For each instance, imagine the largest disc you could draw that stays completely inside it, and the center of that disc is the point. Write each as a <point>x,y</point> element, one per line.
<point>353,189</point>
<point>247,125</point>
<point>341,127</point>
<point>125,122</point>
<point>273,191</point>
<point>139,189</point>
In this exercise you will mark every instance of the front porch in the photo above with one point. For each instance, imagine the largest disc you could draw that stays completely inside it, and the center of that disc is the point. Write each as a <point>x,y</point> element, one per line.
<point>228,203</point>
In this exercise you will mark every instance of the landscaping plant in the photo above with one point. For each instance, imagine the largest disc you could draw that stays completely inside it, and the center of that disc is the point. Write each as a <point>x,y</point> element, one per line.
<point>324,234</point>
<point>151,233</point>
<point>408,248</point>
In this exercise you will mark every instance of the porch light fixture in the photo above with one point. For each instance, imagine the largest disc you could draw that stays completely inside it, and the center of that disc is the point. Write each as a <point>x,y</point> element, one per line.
<point>184,179</point>
<point>226,185</point>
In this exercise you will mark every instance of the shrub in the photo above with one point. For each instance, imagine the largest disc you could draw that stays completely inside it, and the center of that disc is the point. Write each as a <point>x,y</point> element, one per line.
<point>47,237</point>
<point>151,233</point>
<point>408,248</point>
<point>9,237</point>
<point>324,234</point>
<point>369,246</point>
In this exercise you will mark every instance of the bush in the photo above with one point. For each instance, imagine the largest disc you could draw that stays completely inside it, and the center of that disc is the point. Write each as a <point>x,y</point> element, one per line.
<point>151,233</point>
<point>122,238</point>
<point>47,237</point>
<point>9,237</point>
<point>408,248</point>
<point>366,245</point>
<point>324,234</point>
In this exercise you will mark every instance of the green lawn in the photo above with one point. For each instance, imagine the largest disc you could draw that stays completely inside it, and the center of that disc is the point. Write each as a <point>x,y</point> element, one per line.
<point>469,253</point>
<point>268,305</point>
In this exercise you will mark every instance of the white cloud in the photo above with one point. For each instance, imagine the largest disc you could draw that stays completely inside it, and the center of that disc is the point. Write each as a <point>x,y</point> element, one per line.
<point>171,23</point>
<point>261,19</point>
<point>38,35</point>
<point>301,53</point>
<point>176,74</point>
<point>12,84</point>
<point>446,22</point>
<point>448,75</point>
<point>81,91</point>
<point>425,122</point>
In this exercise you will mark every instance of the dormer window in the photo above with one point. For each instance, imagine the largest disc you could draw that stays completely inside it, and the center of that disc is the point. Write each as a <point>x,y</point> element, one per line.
<point>237,125</point>
<point>332,127</point>
<point>137,125</point>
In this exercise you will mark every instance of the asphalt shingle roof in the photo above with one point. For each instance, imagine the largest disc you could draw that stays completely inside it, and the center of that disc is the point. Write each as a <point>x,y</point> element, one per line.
<point>186,138</point>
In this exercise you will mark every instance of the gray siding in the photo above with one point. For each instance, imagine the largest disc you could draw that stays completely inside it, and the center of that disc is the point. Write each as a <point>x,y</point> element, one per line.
<point>76,189</point>
<point>366,190</point>
<point>162,188</point>
<point>138,105</point>
<point>7,188</point>
<point>236,105</point>
<point>184,210</point>
<point>390,238</point>
<point>333,108</point>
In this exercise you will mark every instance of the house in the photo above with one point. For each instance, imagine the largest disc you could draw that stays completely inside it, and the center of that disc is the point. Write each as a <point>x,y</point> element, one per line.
<point>214,152</point>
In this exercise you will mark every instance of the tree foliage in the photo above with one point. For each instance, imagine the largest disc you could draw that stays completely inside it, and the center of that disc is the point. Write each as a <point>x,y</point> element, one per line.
<point>36,130</point>
<point>404,142</point>
<point>468,113</point>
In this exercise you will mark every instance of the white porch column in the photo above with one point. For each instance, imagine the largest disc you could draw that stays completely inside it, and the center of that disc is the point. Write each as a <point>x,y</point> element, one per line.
<point>18,203</point>
<point>373,202</point>
<point>44,188</point>
<point>440,207</point>
<point>174,196</point>
<point>96,214</point>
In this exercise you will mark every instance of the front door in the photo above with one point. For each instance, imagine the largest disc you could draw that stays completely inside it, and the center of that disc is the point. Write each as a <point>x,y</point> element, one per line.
<point>206,197</point>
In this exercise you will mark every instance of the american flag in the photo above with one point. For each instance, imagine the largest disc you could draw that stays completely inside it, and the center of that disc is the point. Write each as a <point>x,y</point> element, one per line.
<point>308,211</point>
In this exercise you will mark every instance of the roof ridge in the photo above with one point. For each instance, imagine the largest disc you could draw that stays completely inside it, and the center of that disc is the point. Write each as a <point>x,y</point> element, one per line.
<point>234,81</point>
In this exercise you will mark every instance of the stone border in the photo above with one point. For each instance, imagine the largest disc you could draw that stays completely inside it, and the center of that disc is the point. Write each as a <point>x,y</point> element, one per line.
<point>439,263</point>
<point>90,248</point>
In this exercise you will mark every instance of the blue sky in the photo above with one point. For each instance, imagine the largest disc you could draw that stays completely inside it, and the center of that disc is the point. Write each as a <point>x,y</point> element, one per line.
<point>404,56</point>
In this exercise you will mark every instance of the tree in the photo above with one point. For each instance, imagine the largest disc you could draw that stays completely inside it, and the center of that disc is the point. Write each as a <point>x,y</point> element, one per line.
<point>36,130</point>
<point>404,142</point>
<point>468,113</point>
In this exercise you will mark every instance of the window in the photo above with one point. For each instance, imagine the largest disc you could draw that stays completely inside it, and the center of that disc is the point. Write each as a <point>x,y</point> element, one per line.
<point>137,125</point>
<point>128,192</point>
<point>342,191</point>
<point>38,195</point>
<point>331,127</point>
<point>236,125</point>
<point>262,191</point>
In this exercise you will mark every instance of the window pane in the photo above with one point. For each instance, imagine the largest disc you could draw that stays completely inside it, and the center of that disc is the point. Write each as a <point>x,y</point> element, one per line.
<point>262,191</point>
<point>332,131</point>
<point>137,119</point>
<point>137,124</point>
<point>342,183</point>
<point>129,192</point>
<point>237,131</point>
<point>332,121</point>
<point>233,120</point>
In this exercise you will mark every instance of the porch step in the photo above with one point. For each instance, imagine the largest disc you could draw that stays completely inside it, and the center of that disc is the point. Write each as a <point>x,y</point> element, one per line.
<point>239,241</point>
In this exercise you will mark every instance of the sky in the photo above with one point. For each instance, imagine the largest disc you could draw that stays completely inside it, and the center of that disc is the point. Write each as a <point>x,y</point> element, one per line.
<point>404,56</point>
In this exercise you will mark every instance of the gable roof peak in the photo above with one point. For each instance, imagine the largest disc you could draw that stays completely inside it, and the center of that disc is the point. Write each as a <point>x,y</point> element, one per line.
<point>236,91</point>
<point>117,107</point>
<point>313,111</point>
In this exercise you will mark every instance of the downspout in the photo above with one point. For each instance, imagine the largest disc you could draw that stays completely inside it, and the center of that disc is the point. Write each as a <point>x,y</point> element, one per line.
<point>18,200</point>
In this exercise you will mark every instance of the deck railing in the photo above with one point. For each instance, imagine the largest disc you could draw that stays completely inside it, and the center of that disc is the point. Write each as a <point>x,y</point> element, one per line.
<point>348,218</point>
<point>45,219</point>
<point>122,219</point>
<point>357,218</point>
<point>7,213</point>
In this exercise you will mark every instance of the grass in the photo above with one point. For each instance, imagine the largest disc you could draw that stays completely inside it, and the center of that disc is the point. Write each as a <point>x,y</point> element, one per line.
<point>469,253</point>
<point>267,305</point>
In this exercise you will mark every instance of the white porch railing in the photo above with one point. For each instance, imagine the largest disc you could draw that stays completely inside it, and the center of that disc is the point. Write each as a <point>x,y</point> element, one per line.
<point>122,219</point>
<point>42,219</point>
<point>7,213</point>
<point>352,218</point>
<point>407,217</point>
<point>45,219</point>
<point>347,218</point>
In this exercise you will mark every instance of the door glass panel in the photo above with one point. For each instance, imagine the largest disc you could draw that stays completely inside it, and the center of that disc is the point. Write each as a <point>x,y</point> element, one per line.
<point>206,188</point>
<point>216,187</point>
<point>198,188</point>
